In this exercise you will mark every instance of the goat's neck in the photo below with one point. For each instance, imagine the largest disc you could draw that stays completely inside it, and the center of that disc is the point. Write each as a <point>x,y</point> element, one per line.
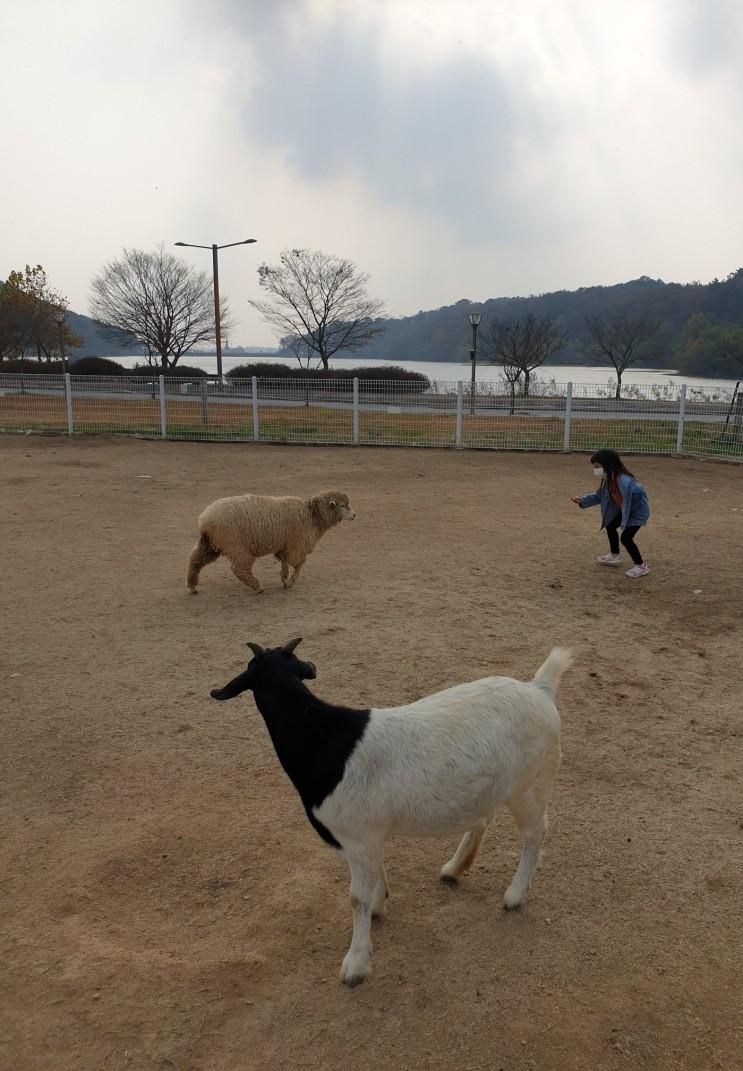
<point>309,734</point>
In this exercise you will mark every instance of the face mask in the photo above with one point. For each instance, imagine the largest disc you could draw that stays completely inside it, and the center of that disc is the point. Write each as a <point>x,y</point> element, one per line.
<point>599,472</point>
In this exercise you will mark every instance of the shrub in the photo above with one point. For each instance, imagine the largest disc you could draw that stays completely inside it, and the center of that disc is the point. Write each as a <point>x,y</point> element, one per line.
<point>32,367</point>
<point>372,378</point>
<point>184,371</point>
<point>97,366</point>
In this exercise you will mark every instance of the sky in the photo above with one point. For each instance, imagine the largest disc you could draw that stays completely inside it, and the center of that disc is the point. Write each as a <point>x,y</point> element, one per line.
<point>450,149</point>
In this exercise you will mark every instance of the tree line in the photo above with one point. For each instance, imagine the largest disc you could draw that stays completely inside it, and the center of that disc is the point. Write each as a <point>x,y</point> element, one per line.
<point>319,307</point>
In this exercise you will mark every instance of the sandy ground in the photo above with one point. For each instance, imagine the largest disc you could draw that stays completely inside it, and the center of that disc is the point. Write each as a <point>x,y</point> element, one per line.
<point>164,903</point>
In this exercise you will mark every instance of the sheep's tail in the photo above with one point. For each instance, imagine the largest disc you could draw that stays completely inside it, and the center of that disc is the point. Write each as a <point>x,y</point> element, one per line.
<point>549,674</point>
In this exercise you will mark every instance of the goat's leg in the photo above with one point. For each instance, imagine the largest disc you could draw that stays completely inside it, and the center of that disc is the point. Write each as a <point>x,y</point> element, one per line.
<point>465,854</point>
<point>242,567</point>
<point>365,869</point>
<point>381,892</point>
<point>530,813</point>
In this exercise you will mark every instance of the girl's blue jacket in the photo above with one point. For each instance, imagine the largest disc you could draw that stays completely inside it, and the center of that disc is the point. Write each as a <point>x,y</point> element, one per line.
<point>635,505</point>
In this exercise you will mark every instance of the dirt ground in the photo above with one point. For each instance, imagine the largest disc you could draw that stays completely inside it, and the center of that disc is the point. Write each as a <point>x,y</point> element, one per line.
<point>164,904</point>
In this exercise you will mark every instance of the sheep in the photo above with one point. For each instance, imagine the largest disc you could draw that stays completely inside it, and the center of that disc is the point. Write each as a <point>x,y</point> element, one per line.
<point>436,767</point>
<point>247,527</point>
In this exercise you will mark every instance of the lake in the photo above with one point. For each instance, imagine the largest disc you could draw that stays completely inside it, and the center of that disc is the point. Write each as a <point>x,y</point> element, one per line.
<point>451,372</point>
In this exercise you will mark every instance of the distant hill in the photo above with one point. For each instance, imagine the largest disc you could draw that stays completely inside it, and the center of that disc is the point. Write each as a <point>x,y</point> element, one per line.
<point>444,334</point>
<point>97,343</point>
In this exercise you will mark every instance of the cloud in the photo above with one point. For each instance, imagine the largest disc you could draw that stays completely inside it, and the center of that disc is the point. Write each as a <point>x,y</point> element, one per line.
<point>442,131</point>
<point>707,38</point>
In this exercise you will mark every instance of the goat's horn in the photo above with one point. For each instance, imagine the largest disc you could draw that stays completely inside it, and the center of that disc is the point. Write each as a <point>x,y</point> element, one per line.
<point>290,647</point>
<point>255,648</point>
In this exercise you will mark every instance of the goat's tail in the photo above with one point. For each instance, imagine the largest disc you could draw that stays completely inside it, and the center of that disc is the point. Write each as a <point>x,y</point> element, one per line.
<point>549,674</point>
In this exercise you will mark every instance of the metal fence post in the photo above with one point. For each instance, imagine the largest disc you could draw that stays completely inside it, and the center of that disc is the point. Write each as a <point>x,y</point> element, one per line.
<point>460,400</point>
<point>568,416</point>
<point>163,412</point>
<point>68,400</point>
<point>680,428</point>
<point>256,426</point>
<point>204,400</point>
<point>355,411</point>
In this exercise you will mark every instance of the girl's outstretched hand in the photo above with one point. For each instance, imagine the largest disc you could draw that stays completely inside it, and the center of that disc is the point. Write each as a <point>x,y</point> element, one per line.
<point>576,500</point>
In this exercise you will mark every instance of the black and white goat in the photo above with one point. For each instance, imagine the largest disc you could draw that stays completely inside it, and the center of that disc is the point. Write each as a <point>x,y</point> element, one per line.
<point>436,767</point>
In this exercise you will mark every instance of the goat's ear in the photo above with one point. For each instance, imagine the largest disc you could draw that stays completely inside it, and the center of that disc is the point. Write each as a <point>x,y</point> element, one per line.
<point>255,648</point>
<point>291,646</point>
<point>236,686</point>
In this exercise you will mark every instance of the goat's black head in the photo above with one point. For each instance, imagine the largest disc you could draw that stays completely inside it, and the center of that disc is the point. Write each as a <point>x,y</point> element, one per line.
<point>276,663</point>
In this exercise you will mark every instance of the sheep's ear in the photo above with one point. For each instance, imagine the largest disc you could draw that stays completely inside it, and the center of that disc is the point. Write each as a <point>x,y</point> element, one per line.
<point>292,645</point>
<point>255,648</point>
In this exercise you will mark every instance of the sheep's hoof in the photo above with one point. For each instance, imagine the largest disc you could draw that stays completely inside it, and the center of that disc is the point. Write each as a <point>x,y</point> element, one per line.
<point>448,878</point>
<point>193,591</point>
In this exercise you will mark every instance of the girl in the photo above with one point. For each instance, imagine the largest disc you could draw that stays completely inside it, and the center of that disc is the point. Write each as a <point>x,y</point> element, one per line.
<point>624,504</point>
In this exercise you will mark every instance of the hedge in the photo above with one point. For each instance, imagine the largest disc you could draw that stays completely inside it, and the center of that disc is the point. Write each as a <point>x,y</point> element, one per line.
<point>343,377</point>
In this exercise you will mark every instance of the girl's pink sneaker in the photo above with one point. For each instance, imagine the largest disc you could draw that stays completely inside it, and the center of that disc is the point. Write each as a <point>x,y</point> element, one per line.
<point>638,570</point>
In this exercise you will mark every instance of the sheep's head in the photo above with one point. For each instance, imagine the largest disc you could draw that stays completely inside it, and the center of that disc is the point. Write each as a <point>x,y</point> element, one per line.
<point>331,507</point>
<point>274,662</point>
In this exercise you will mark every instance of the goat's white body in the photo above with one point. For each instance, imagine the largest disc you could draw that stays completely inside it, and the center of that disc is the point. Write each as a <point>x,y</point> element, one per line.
<point>444,763</point>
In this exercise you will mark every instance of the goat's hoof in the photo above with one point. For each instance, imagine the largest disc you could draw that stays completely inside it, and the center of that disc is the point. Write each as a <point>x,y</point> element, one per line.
<point>353,973</point>
<point>512,901</point>
<point>448,879</point>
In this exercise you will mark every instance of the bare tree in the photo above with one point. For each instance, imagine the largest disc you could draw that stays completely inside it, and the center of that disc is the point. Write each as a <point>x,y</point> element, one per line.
<point>321,301</point>
<point>301,349</point>
<point>523,345</point>
<point>512,374</point>
<point>157,301</point>
<point>618,337</point>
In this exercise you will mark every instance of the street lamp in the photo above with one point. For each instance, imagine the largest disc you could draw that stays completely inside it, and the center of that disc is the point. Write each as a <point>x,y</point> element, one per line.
<point>60,328</point>
<point>474,318</point>
<point>215,249</point>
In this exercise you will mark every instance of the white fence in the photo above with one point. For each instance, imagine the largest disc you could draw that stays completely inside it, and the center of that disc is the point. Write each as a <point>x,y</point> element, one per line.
<point>663,419</point>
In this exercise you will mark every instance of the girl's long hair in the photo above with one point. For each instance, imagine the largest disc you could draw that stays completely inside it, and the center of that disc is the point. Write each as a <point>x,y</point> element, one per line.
<point>612,465</point>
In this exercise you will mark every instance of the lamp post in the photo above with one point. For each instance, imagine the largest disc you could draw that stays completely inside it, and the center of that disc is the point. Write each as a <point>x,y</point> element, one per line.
<point>60,328</point>
<point>474,318</point>
<point>215,268</point>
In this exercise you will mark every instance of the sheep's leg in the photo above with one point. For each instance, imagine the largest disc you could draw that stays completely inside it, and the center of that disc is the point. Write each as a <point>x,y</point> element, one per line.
<point>530,813</point>
<point>365,874</point>
<point>202,554</point>
<point>284,571</point>
<point>293,578</point>
<point>465,854</point>
<point>381,892</point>
<point>243,570</point>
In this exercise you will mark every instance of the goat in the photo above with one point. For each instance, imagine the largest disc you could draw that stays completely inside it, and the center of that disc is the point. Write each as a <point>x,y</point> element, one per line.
<point>439,766</point>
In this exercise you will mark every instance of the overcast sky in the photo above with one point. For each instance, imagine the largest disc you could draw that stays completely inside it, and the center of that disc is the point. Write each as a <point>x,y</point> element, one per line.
<point>451,148</point>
